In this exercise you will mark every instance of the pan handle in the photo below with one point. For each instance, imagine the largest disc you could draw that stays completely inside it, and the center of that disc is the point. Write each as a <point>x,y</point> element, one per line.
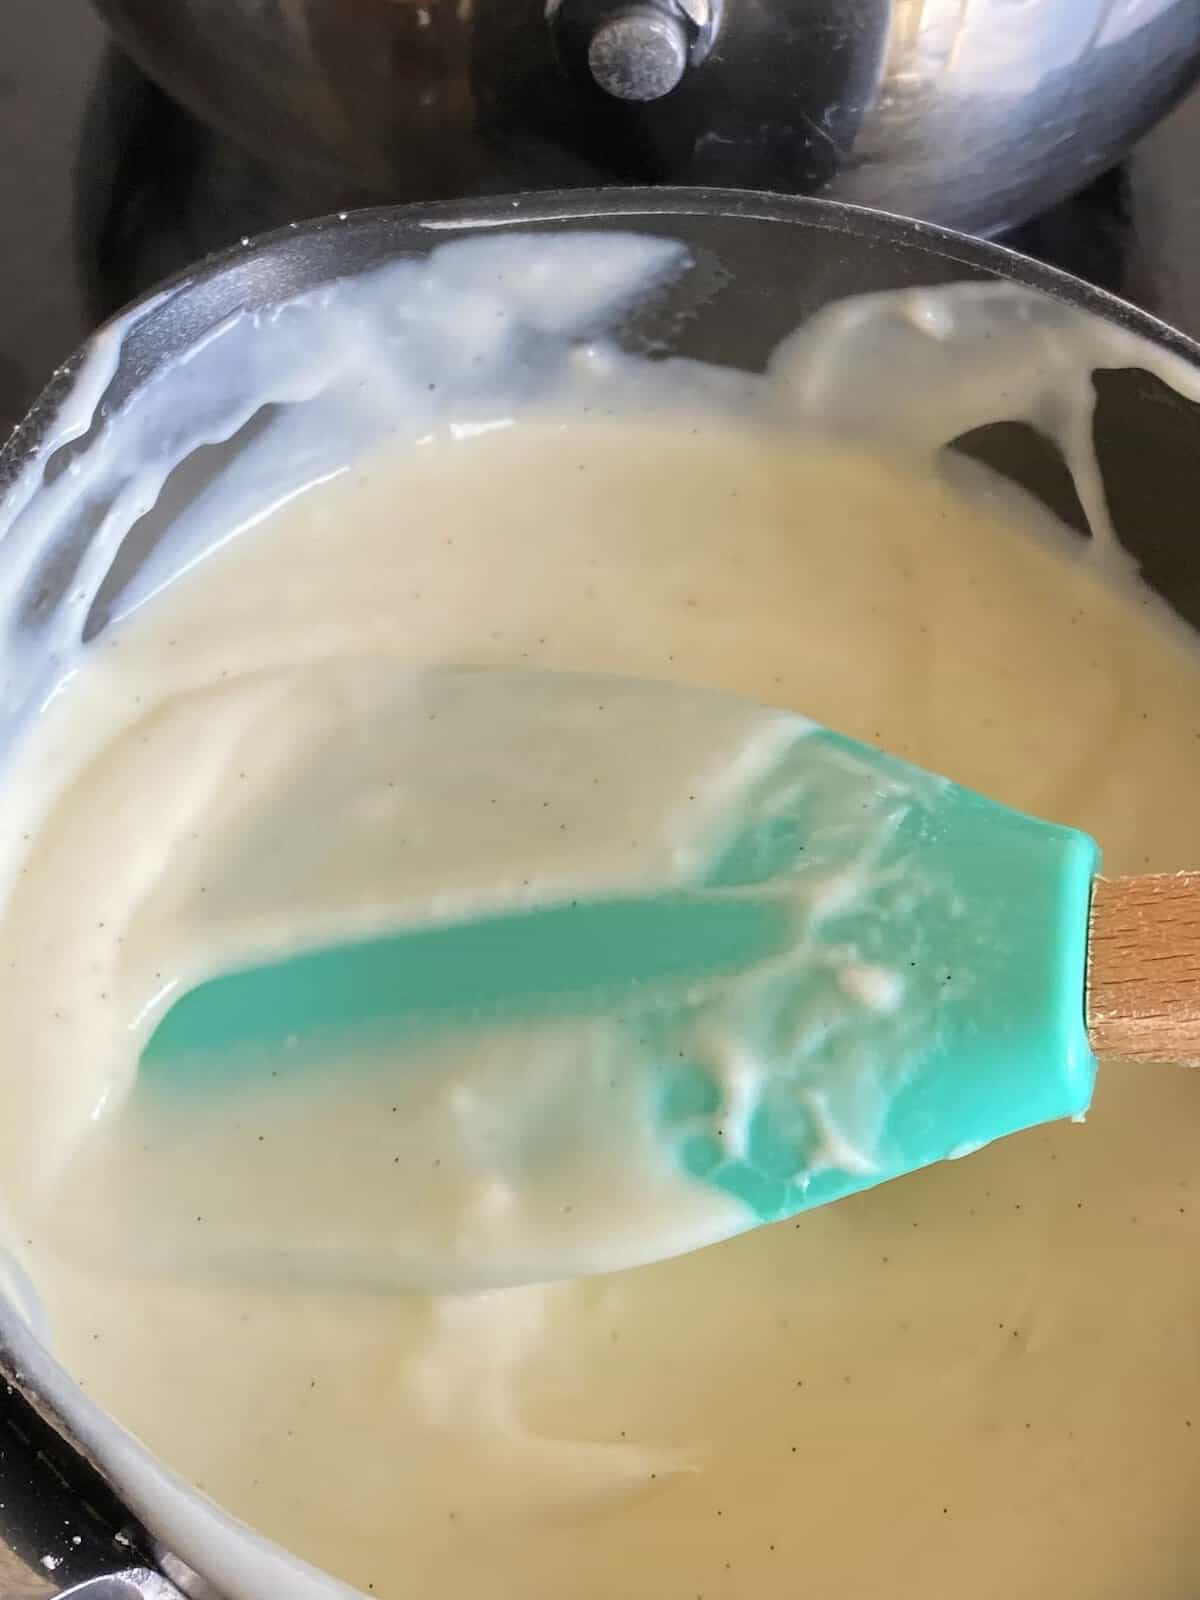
<point>139,1583</point>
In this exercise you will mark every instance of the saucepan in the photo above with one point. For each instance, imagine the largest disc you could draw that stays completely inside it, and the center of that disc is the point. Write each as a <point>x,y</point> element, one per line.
<point>80,1497</point>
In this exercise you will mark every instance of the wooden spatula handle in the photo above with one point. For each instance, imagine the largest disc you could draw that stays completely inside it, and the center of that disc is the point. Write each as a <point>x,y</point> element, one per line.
<point>1143,990</point>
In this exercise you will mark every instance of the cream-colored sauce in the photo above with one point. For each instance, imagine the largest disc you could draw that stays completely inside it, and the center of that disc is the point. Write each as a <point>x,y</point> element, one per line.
<point>980,1379</point>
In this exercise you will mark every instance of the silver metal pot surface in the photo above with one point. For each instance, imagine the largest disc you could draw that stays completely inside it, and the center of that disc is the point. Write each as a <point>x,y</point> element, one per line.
<point>973,113</point>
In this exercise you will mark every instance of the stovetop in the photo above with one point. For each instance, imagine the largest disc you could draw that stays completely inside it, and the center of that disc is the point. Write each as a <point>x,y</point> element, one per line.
<point>105,187</point>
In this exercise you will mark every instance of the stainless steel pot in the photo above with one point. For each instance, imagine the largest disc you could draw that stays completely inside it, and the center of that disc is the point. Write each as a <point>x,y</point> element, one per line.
<point>973,113</point>
<point>762,265</point>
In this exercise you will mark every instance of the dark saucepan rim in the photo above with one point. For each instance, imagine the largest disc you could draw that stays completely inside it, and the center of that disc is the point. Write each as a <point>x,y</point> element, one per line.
<point>264,267</point>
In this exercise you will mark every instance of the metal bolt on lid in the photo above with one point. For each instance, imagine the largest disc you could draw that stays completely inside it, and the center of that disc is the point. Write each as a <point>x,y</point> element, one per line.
<point>639,54</point>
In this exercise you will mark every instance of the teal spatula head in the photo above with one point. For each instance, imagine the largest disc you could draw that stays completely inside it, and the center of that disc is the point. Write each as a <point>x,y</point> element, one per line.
<point>815,969</point>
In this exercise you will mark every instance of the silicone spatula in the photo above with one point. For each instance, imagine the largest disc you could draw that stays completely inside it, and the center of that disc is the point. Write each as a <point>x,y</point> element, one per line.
<point>837,968</point>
